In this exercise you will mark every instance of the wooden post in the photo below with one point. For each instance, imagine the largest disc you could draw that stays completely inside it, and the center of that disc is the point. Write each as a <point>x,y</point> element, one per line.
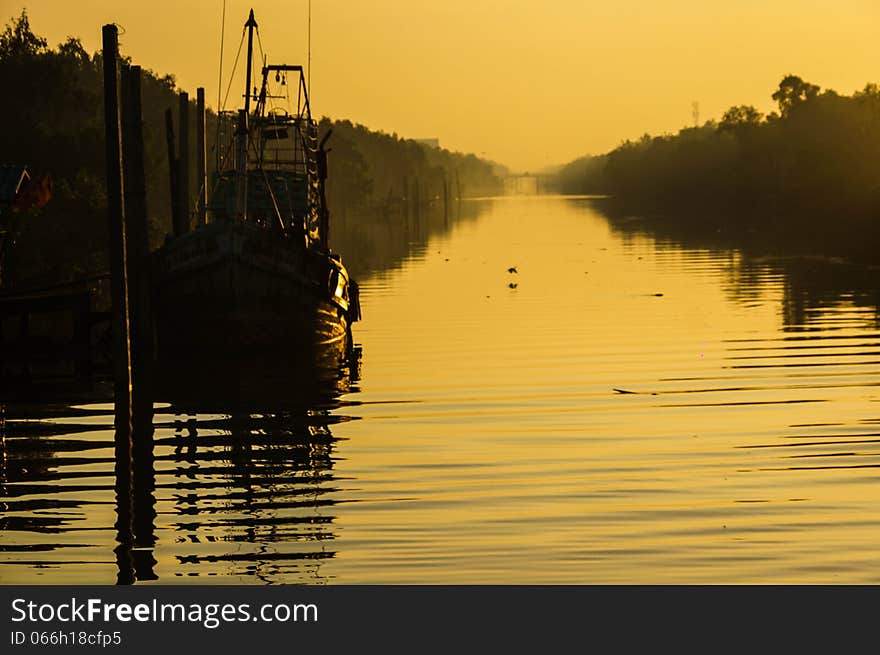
<point>82,338</point>
<point>172,170</point>
<point>183,165</point>
<point>417,202</point>
<point>116,227</point>
<point>406,200</point>
<point>137,242</point>
<point>119,299</point>
<point>201,158</point>
<point>135,494</point>
<point>445,200</point>
<point>458,195</point>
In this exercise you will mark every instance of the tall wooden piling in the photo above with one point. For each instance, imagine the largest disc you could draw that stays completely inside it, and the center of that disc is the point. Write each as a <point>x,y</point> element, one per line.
<point>121,353</point>
<point>417,208</point>
<point>406,200</point>
<point>445,200</point>
<point>139,496</point>
<point>417,198</point>
<point>172,170</point>
<point>201,159</point>
<point>116,226</point>
<point>183,165</point>
<point>457,195</point>
<point>137,244</point>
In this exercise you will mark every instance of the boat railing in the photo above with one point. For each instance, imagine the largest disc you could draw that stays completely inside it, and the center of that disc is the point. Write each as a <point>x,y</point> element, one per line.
<point>280,152</point>
<point>273,143</point>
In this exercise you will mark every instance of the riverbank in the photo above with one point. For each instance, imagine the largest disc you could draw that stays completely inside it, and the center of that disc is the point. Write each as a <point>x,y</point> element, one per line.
<point>67,239</point>
<point>802,178</point>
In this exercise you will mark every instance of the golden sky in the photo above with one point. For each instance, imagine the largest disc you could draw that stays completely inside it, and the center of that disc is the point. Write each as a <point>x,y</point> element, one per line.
<point>527,83</point>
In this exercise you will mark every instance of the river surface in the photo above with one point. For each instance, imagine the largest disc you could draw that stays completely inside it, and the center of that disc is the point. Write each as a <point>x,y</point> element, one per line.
<point>621,407</point>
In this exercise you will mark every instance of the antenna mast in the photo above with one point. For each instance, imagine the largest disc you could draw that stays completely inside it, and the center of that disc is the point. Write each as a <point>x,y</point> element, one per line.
<point>222,39</point>
<point>309,72</point>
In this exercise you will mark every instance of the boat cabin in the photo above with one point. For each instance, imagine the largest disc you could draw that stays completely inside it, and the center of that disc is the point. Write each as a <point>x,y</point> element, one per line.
<point>268,168</point>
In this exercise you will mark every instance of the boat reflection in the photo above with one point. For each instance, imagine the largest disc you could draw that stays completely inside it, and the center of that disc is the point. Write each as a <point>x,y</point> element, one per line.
<point>242,467</point>
<point>231,478</point>
<point>249,494</point>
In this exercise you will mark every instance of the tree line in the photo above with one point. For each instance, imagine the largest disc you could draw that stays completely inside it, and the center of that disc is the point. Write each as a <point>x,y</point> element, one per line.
<point>814,165</point>
<point>53,123</point>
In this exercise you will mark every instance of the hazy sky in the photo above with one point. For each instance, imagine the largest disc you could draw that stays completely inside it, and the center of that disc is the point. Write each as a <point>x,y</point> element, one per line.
<point>525,82</point>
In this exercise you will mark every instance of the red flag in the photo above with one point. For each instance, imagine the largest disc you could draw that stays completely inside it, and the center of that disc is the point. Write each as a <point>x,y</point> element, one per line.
<point>35,194</point>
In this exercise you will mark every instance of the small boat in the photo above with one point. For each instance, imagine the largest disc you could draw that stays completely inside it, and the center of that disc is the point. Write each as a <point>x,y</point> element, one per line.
<point>257,280</point>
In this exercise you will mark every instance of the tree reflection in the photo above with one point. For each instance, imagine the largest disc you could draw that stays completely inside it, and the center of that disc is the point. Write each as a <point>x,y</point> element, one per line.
<point>811,283</point>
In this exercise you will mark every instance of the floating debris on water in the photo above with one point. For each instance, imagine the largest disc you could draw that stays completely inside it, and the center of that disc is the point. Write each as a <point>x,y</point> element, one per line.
<point>634,393</point>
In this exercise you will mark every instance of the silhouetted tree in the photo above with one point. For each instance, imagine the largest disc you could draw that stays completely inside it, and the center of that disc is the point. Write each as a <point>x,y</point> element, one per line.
<point>55,124</point>
<point>740,116</point>
<point>17,40</point>
<point>809,171</point>
<point>792,92</point>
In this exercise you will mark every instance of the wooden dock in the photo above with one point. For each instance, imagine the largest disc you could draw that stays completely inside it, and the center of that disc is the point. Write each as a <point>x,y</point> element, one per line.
<point>51,338</point>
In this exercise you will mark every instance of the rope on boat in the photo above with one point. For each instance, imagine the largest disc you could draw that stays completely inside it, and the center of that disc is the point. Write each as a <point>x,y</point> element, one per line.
<point>263,58</point>
<point>268,186</point>
<point>234,68</point>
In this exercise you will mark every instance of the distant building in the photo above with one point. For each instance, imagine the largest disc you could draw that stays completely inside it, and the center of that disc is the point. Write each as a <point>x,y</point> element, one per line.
<point>431,143</point>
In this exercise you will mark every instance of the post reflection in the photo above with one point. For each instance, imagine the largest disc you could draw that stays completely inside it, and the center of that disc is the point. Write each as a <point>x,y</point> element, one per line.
<point>135,502</point>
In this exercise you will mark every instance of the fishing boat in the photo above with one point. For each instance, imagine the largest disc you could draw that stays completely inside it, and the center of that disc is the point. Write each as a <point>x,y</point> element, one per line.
<point>256,278</point>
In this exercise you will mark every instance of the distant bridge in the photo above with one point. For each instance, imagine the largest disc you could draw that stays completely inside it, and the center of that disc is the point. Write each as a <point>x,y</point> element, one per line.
<point>526,184</point>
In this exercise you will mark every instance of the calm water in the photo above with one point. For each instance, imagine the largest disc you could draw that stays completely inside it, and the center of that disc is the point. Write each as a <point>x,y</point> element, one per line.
<point>633,410</point>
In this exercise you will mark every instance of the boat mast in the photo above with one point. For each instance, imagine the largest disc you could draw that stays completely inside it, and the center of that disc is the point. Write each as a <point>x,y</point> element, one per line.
<point>241,156</point>
<point>241,133</point>
<point>250,25</point>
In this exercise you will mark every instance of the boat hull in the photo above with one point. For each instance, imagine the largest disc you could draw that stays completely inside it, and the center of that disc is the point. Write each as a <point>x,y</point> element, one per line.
<point>238,293</point>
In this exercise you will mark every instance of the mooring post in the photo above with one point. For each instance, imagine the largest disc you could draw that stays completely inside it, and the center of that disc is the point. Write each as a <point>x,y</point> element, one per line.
<point>445,199</point>
<point>406,200</point>
<point>116,226</point>
<point>201,158</point>
<point>138,496</point>
<point>417,202</point>
<point>119,300</point>
<point>183,165</point>
<point>138,247</point>
<point>82,337</point>
<point>172,170</point>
